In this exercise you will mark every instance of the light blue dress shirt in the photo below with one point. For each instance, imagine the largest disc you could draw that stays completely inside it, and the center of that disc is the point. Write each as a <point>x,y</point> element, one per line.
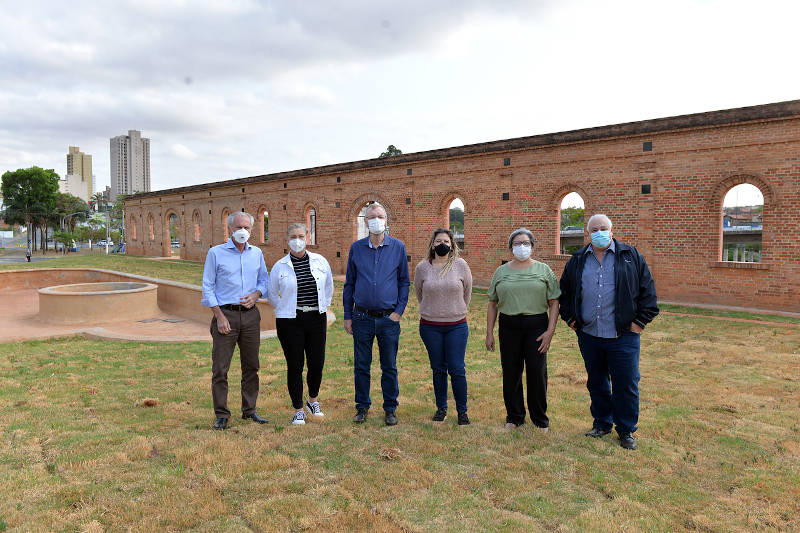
<point>229,274</point>
<point>599,295</point>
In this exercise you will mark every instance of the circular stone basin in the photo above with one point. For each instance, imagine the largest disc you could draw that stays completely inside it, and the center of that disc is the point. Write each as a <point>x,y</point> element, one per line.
<point>98,303</point>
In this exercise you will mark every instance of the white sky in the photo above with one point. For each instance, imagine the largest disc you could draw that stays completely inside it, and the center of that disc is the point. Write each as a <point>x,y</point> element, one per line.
<point>234,88</point>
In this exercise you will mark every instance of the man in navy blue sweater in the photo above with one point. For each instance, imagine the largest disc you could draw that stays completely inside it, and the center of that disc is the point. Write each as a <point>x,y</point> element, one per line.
<point>375,295</point>
<point>607,297</point>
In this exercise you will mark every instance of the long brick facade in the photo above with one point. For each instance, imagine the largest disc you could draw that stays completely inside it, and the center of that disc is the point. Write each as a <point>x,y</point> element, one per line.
<point>662,182</point>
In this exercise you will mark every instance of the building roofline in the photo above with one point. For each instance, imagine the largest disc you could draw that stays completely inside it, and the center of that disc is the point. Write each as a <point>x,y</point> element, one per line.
<point>726,117</point>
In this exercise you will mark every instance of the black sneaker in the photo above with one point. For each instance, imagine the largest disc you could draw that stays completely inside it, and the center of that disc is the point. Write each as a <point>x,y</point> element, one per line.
<point>361,415</point>
<point>440,415</point>
<point>390,418</point>
<point>463,419</point>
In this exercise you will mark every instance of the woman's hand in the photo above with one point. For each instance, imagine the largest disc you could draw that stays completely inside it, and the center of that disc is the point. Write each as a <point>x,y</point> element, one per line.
<point>545,337</point>
<point>490,342</point>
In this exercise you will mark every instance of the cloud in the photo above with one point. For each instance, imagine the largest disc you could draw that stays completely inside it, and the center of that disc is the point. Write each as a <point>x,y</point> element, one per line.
<point>182,152</point>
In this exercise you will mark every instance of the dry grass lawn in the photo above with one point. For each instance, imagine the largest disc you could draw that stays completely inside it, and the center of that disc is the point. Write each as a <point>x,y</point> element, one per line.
<point>101,437</point>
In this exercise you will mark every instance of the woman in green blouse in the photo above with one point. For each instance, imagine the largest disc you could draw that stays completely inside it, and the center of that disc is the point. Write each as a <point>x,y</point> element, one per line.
<point>525,293</point>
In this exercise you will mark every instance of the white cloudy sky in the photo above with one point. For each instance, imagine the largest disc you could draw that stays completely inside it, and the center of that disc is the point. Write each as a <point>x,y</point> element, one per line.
<point>235,88</point>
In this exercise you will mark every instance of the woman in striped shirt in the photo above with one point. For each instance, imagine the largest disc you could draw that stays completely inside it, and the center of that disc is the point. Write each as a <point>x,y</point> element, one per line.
<point>300,290</point>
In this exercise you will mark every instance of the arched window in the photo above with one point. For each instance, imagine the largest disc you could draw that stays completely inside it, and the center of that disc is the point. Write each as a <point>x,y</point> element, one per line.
<point>197,227</point>
<point>742,226</point>
<point>174,231</point>
<point>362,230</point>
<point>455,221</point>
<point>151,227</point>
<point>571,214</point>
<point>262,229</point>
<point>226,232</point>
<point>133,227</point>
<point>311,222</point>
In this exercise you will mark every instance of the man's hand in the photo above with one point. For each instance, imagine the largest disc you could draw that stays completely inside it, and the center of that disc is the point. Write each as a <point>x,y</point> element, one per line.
<point>574,325</point>
<point>250,300</point>
<point>223,325</point>
<point>348,325</point>
<point>635,328</point>
<point>490,342</point>
<point>395,317</point>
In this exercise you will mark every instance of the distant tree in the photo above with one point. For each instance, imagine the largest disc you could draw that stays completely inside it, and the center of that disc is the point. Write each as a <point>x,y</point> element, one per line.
<point>457,219</point>
<point>29,195</point>
<point>390,151</point>
<point>64,238</point>
<point>66,204</point>
<point>571,216</point>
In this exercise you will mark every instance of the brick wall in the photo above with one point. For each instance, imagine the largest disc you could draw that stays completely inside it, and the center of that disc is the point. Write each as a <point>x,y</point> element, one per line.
<point>694,161</point>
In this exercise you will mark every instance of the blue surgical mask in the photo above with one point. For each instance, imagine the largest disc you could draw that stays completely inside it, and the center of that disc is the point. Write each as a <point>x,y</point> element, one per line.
<point>601,238</point>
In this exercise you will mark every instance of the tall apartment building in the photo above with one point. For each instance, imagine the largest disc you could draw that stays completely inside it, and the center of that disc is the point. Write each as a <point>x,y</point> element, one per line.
<point>80,164</point>
<point>130,164</point>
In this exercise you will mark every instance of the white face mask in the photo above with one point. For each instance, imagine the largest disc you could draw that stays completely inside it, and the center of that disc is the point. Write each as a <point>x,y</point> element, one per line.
<point>522,252</point>
<point>297,245</point>
<point>377,225</point>
<point>241,235</point>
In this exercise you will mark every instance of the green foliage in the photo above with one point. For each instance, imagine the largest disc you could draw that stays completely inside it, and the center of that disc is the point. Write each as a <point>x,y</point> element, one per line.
<point>571,216</point>
<point>29,195</point>
<point>390,151</point>
<point>65,238</point>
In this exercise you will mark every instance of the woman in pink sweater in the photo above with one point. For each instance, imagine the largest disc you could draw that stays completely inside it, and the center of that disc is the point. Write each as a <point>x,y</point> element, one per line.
<point>443,284</point>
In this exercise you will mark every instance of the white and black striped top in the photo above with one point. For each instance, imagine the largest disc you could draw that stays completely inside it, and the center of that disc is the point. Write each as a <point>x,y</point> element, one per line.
<point>306,286</point>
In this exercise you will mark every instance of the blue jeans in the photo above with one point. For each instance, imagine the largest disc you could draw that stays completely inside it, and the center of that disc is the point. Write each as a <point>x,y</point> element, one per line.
<point>446,347</point>
<point>365,330</point>
<point>612,362</point>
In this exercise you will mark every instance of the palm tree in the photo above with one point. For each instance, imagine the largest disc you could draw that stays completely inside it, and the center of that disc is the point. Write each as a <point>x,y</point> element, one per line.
<point>100,200</point>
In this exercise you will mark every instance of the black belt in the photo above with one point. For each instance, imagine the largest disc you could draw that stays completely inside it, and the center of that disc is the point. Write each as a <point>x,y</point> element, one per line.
<point>376,314</point>
<point>235,307</point>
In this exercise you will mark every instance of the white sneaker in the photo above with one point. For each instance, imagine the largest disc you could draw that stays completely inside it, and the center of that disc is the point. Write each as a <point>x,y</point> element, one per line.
<point>313,409</point>
<point>299,418</point>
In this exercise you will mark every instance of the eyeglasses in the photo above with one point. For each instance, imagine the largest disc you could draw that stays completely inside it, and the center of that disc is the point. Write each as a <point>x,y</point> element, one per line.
<point>521,243</point>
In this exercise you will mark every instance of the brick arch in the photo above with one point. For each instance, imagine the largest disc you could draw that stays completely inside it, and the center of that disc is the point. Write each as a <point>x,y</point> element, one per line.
<point>358,204</point>
<point>224,218</point>
<point>166,238</point>
<point>554,209</point>
<point>133,227</point>
<point>197,221</point>
<point>561,192</point>
<point>448,198</point>
<point>310,204</point>
<point>725,184</point>
<point>259,217</point>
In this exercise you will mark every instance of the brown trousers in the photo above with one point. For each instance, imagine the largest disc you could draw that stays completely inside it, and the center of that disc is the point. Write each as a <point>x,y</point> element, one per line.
<point>246,332</point>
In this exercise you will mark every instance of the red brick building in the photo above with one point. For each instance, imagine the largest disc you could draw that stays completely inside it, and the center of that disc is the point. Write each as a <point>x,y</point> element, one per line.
<point>662,182</point>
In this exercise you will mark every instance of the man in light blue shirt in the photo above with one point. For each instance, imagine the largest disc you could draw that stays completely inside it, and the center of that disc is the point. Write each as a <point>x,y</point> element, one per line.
<point>234,278</point>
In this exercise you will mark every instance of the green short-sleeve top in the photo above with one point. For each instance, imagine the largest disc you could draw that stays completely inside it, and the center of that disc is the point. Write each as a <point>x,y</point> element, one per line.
<point>524,292</point>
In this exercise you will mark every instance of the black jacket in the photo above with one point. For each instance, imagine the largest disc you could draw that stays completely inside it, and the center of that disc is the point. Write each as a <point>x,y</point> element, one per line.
<point>635,289</point>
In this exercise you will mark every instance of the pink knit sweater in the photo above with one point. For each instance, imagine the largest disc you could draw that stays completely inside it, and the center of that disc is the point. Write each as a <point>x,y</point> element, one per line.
<point>443,299</point>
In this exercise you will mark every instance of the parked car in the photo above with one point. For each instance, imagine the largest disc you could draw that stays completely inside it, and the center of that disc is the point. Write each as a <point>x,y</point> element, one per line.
<point>176,244</point>
<point>119,249</point>
<point>102,242</point>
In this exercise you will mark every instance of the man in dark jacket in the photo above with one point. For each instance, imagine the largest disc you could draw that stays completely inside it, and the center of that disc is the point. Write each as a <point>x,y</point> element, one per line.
<point>607,297</point>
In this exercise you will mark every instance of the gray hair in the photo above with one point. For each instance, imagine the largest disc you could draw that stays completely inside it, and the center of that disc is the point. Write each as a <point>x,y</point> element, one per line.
<point>232,216</point>
<point>373,206</point>
<point>297,225</point>
<point>520,231</point>
<point>599,216</point>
